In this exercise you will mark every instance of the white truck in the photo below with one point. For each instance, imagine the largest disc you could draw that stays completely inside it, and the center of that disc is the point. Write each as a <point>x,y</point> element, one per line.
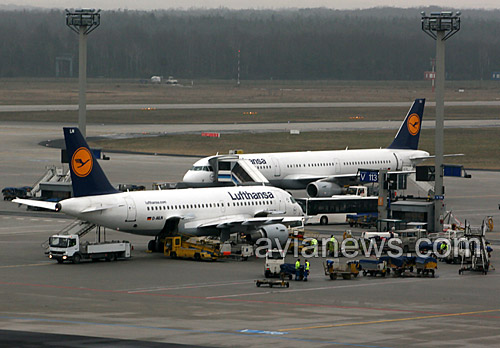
<point>274,259</point>
<point>156,80</point>
<point>361,191</point>
<point>71,248</point>
<point>171,81</point>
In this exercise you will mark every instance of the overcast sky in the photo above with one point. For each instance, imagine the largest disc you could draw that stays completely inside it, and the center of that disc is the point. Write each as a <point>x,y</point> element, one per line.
<point>258,4</point>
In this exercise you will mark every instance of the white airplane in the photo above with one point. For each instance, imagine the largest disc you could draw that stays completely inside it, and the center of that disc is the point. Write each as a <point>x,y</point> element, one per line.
<point>257,211</point>
<point>324,173</point>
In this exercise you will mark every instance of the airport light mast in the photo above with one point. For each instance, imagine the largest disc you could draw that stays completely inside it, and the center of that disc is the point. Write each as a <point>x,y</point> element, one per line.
<point>440,26</point>
<point>238,82</point>
<point>83,21</point>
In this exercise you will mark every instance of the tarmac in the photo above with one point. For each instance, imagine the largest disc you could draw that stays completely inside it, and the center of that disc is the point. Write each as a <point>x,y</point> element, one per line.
<point>151,300</point>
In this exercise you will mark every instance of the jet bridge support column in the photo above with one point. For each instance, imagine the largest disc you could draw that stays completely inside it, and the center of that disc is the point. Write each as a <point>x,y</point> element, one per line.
<point>382,195</point>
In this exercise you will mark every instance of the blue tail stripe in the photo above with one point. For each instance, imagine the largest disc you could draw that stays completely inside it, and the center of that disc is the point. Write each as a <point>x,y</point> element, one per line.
<point>409,132</point>
<point>87,176</point>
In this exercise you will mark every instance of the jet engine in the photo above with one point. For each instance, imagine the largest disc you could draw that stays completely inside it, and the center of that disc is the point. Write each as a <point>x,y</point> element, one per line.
<point>275,232</point>
<point>323,189</point>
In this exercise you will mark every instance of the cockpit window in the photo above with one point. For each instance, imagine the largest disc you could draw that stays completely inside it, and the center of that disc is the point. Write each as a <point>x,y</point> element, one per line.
<point>202,168</point>
<point>293,199</point>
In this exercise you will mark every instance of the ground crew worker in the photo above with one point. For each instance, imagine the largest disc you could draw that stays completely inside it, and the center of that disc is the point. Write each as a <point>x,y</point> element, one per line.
<point>331,245</point>
<point>443,247</point>
<point>297,269</point>
<point>306,270</point>
<point>314,244</point>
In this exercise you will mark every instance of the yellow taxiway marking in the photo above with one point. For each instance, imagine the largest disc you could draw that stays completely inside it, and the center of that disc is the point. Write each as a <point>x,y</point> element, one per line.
<point>28,265</point>
<point>390,320</point>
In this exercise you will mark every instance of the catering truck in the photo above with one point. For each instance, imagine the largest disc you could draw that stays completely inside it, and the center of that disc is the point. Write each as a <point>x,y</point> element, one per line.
<point>70,248</point>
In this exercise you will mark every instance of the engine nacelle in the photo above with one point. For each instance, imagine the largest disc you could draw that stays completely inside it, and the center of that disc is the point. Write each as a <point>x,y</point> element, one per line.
<point>323,189</point>
<point>275,232</point>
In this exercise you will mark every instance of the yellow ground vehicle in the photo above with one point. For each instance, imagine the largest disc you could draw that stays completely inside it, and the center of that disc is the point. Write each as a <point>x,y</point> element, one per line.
<point>175,247</point>
<point>334,268</point>
<point>300,239</point>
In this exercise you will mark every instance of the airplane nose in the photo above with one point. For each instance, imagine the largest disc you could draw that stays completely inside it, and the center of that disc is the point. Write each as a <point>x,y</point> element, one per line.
<point>198,176</point>
<point>189,176</point>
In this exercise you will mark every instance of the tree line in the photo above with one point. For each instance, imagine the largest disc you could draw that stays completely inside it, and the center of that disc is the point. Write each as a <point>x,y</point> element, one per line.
<point>375,44</point>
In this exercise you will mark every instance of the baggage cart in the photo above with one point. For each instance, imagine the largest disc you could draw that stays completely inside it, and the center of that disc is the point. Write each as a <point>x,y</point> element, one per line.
<point>272,283</point>
<point>334,268</point>
<point>426,266</point>
<point>399,265</point>
<point>373,267</point>
<point>288,271</point>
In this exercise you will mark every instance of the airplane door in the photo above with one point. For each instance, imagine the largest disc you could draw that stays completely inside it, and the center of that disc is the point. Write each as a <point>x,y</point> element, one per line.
<point>131,209</point>
<point>276,165</point>
<point>337,165</point>
<point>222,206</point>
<point>399,162</point>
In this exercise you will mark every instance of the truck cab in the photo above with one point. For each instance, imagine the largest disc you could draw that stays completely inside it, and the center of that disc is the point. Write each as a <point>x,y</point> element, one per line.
<point>63,247</point>
<point>361,191</point>
<point>274,259</point>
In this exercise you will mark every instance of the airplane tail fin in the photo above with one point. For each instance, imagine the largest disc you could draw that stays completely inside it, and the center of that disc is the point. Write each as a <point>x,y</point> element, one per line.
<point>409,132</point>
<point>87,177</point>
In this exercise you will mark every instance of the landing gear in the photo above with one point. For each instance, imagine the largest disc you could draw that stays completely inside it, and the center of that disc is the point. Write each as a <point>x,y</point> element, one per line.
<point>155,246</point>
<point>152,246</point>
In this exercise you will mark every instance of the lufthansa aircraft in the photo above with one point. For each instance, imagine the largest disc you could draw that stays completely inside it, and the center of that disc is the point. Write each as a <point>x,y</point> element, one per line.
<point>257,211</point>
<point>323,173</point>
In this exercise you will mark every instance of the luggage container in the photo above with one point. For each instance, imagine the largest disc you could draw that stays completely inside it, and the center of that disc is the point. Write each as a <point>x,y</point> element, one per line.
<point>373,267</point>
<point>426,266</point>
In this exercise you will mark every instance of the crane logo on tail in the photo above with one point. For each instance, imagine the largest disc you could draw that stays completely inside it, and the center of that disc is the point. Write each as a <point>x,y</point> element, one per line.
<point>413,124</point>
<point>81,162</point>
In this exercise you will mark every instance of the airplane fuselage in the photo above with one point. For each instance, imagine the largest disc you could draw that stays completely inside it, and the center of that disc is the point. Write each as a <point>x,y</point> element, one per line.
<point>289,170</point>
<point>197,211</point>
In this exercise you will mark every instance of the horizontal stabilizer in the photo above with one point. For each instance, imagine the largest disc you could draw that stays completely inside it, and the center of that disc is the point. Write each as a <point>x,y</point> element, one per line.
<point>36,204</point>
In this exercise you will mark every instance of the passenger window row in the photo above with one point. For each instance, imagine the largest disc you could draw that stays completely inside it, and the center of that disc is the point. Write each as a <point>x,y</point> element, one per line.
<point>207,205</point>
<point>304,165</point>
<point>367,162</point>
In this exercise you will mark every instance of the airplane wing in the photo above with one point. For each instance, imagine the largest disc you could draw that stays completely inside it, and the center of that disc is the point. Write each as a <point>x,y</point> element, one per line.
<point>35,203</point>
<point>310,178</point>
<point>241,220</point>
<point>304,177</point>
<point>339,177</point>
<point>433,156</point>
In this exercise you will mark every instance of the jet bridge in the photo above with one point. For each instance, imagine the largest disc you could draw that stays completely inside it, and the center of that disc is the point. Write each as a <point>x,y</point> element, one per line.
<point>231,169</point>
<point>54,183</point>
